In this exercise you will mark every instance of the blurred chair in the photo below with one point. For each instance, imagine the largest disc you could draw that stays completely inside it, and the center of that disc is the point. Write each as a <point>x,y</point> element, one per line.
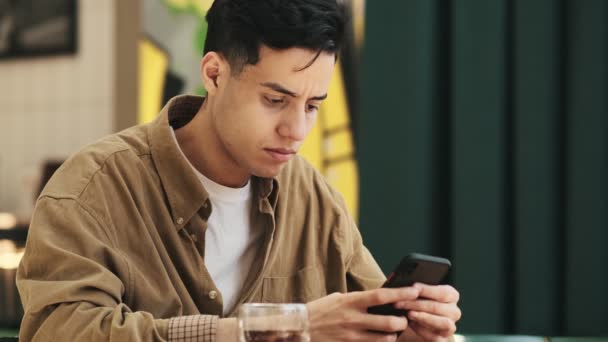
<point>8,335</point>
<point>48,169</point>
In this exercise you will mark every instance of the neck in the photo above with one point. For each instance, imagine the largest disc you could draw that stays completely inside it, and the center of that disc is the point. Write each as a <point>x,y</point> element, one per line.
<point>200,143</point>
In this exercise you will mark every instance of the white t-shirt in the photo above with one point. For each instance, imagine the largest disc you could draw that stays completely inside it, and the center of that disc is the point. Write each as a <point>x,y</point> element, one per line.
<point>230,242</point>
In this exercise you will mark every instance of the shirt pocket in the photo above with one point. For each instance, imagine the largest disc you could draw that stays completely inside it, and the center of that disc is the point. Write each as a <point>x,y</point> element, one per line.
<point>304,286</point>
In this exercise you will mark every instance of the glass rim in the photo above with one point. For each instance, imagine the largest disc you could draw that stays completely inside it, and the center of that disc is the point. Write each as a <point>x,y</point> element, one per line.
<point>261,308</point>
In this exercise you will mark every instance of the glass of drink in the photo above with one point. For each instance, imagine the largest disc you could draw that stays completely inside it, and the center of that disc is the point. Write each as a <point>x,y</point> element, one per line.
<point>273,323</point>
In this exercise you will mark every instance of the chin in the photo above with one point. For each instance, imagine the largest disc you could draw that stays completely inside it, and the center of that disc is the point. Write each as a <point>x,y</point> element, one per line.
<point>268,172</point>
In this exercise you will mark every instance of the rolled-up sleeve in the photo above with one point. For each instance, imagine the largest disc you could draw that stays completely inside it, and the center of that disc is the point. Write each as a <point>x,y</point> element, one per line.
<point>195,328</point>
<point>72,281</point>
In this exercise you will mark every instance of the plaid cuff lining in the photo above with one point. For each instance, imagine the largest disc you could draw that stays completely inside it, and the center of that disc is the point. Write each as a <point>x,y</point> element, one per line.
<point>196,328</point>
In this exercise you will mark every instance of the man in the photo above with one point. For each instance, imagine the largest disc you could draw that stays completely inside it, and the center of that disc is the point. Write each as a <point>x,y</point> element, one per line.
<point>160,232</point>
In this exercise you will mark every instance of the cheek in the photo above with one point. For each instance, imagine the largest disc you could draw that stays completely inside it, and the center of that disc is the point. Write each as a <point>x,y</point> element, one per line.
<point>250,127</point>
<point>243,120</point>
<point>260,130</point>
<point>310,124</point>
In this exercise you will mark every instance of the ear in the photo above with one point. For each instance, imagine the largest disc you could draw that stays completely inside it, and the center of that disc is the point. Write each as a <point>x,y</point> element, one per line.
<point>213,71</point>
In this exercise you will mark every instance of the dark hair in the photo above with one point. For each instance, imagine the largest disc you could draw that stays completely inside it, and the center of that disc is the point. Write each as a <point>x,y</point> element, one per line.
<point>237,28</point>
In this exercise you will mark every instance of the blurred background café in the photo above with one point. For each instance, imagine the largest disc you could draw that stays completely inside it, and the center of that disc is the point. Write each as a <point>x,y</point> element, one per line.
<point>475,130</point>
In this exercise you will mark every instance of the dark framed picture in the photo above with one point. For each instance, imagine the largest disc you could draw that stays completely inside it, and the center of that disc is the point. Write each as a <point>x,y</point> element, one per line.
<point>30,28</point>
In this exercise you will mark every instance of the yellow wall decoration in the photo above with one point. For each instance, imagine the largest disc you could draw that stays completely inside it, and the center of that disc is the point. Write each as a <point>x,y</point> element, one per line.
<point>199,6</point>
<point>153,65</point>
<point>329,147</point>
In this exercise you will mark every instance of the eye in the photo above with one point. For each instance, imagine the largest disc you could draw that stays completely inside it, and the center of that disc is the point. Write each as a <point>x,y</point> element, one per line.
<point>274,101</point>
<point>312,108</point>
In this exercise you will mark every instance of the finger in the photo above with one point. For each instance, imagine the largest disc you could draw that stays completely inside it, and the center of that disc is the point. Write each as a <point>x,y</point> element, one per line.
<point>424,332</point>
<point>442,325</point>
<point>385,295</point>
<point>381,323</point>
<point>436,308</point>
<point>440,293</point>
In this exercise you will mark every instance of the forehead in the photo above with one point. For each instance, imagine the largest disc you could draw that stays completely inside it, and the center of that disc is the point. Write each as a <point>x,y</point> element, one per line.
<point>289,68</point>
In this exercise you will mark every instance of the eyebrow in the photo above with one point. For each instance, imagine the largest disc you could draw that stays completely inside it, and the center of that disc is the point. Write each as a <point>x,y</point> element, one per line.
<point>279,88</point>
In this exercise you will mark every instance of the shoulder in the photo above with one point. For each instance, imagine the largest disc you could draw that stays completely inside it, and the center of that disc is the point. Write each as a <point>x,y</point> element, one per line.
<point>301,184</point>
<point>110,156</point>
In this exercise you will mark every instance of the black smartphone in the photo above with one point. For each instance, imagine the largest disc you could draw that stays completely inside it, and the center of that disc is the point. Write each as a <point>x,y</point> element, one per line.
<point>414,268</point>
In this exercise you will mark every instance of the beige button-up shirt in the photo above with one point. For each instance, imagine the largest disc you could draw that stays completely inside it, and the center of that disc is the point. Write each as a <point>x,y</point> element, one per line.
<point>115,250</point>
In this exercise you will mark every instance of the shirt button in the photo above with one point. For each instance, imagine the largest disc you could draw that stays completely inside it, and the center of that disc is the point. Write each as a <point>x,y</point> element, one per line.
<point>194,238</point>
<point>212,294</point>
<point>205,204</point>
<point>180,220</point>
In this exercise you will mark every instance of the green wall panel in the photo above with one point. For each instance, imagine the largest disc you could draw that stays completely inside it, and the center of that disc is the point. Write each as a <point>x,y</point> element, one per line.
<point>483,137</point>
<point>586,250</point>
<point>478,162</point>
<point>536,69</point>
<point>395,147</point>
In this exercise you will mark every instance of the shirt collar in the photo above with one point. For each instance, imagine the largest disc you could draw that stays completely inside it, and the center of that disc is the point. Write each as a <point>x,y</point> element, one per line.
<point>183,189</point>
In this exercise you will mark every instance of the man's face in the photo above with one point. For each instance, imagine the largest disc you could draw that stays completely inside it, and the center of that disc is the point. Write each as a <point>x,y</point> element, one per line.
<point>262,115</point>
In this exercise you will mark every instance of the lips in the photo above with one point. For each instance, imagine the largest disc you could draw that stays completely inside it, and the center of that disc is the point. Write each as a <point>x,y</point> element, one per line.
<point>280,154</point>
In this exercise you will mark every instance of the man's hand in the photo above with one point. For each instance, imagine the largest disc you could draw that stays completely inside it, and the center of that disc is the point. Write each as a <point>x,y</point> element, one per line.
<point>434,314</point>
<point>344,317</point>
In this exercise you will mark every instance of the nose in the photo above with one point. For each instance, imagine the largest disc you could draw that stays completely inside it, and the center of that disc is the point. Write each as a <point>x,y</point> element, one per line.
<point>294,125</point>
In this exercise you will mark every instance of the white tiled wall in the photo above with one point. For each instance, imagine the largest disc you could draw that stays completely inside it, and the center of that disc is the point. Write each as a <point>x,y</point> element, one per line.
<point>50,107</point>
